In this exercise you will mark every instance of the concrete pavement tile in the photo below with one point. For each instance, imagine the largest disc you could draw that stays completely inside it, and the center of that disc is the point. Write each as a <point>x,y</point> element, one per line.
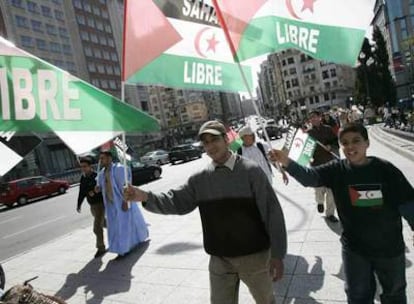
<point>197,279</point>
<point>172,261</point>
<point>317,265</point>
<point>294,248</point>
<point>168,276</point>
<point>290,263</point>
<point>281,287</point>
<point>323,288</point>
<point>188,295</point>
<point>322,248</point>
<point>325,235</point>
<point>309,301</point>
<point>177,246</point>
<point>297,236</point>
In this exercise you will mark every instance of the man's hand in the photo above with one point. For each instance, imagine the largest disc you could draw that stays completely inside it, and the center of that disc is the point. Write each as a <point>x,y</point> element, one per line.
<point>279,156</point>
<point>91,193</point>
<point>276,269</point>
<point>125,206</point>
<point>78,209</point>
<point>97,189</point>
<point>285,177</point>
<point>132,193</point>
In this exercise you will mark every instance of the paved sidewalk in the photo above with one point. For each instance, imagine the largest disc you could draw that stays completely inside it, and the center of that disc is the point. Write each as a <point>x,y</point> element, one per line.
<point>172,268</point>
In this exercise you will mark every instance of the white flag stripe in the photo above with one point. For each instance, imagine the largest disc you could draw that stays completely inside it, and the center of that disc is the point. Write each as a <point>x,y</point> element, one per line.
<point>12,159</point>
<point>84,141</point>
<point>298,144</point>
<point>355,14</point>
<point>196,34</point>
<point>370,194</point>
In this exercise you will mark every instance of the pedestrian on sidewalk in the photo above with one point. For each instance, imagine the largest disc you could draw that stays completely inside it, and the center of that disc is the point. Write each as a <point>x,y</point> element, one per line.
<point>125,224</point>
<point>243,224</point>
<point>371,195</point>
<point>325,135</point>
<point>87,189</point>
<point>255,151</point>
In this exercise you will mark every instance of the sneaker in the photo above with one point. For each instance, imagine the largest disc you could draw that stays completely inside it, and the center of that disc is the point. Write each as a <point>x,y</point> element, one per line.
<point>332,219</point>
<point>100,253</point>
<point>320,208</point>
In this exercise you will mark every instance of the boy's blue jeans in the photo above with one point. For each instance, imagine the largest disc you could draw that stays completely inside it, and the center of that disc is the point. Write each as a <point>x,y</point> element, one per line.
<point>360,284</point>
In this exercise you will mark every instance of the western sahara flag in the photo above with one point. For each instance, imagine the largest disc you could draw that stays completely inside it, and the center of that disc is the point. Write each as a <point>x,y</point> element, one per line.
<point>331,30</point>
<point>301,147</point>
<point>178,44</point>
<point>369,195</point>
<point>14,148</point>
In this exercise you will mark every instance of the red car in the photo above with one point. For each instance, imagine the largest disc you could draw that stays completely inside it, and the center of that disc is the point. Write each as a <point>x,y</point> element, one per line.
<point>20,191</point>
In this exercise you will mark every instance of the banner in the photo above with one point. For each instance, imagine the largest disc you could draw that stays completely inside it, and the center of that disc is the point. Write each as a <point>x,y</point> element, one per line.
<point>302,148</point>
<point>178,44</point>
<point>330,30</point>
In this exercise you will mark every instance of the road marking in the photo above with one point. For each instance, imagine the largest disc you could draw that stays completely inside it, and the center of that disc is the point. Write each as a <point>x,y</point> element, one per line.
<point>10,219</point>
<point>33,227</point>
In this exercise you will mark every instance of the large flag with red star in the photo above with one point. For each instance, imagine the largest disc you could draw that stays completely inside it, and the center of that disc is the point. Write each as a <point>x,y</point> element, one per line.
<point>178,44</point>
<point>330,30</point>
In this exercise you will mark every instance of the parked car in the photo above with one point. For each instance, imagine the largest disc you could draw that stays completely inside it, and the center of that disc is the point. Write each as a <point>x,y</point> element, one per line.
<point>184,152</point>
<point>158,157</point>
<point>21,191</point>
<point>272,131</point>
<point>142,173</point>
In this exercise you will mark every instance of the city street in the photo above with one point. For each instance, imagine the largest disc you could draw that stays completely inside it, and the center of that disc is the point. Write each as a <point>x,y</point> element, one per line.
<point>172,267</point>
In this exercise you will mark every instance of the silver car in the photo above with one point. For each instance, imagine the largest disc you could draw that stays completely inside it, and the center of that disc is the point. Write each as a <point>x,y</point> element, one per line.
<point>158,157</point>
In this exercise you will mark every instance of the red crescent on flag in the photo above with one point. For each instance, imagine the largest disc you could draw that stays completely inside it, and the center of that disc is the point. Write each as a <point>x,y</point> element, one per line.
<point>197,41</point>
<point>291,9</point>
<point>298,142</point>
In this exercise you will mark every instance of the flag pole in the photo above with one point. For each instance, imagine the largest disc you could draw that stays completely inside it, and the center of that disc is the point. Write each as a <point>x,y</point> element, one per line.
<point>124,146</point>
<point>246,84</point>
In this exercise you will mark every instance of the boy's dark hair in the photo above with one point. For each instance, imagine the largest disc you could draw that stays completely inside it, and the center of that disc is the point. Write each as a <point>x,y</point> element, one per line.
<point>107,153</point>
<point>314,112</point>
<point>354,128</point>
<point>86,160</point>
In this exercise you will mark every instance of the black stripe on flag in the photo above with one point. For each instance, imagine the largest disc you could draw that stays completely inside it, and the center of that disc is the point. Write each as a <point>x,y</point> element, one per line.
<point>21,144</point>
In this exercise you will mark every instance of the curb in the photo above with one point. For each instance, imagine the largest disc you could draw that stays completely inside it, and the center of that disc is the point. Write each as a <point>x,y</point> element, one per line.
<point>400,147</point>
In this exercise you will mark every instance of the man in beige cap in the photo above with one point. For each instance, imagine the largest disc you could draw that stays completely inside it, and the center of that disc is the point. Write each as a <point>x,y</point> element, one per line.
<point>243,224</point>
<point>255,151</point>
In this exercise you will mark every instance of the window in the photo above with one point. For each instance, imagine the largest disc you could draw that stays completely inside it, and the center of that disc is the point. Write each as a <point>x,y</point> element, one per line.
<point>84,35</point>
<point>96,10</point>
<point>312,89</point>
<point>112,84</point>
<point>32,7</point>
<point>50,29</point>
<point>37,26</point>
<point>292,71</point>
<point>291,60</point>
<point>117,71</point>
<point>295,82</point>
<point>94,38</point>
<point>333,72</point>
<point>99,25</point>
<point>283,62</point>
<point>114,57</point>
<point>41,44</point>
<point>60,64</point>
<point>101,68</point>
<point>403,27</point>
<point>59,15</point>
<point>91,67</point>
<point>91,22</point>
<point>326,96</point>
<point>67,49</point>
<point>316,99</point>
<point>333,95</point>
<point>111,42</point>
<point>81,19</point>
<point>109,70</point>
<point>88,51</point>
<point>285,73</point>
<point>63,32</point>
<point>288,84</point>
<point>17,3</point>
<point>104,83</point>
<point>95,82</point>
<point>46,11</point>
<point>327,85</point>
<point>21,21</point>
<point>102,40</point>
<point>87,7</point>
<point>302,57</point>
<point>106,55</point>
<point>97,53</point>
<point>57,1</point>
<point>77,3</point>
<point>335,83</point>
<point>325,74</point>
<point>26,41</point>
<point>55,47</point>
<point>105,14</point>
<point>311,100</point>
<point>108,28</point>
